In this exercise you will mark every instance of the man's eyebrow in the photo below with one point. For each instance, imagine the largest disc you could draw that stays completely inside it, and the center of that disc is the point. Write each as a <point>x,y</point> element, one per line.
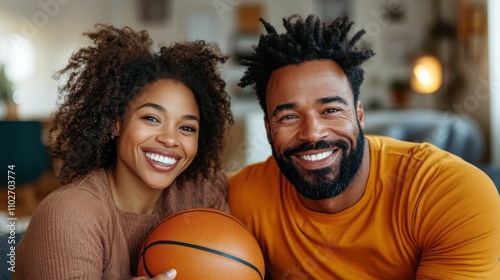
<point>331,99</point>
<point>283,107</point>
<point>323,100</point>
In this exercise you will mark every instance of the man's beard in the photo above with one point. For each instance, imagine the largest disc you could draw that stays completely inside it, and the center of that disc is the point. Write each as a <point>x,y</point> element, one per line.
<point>326,182</point>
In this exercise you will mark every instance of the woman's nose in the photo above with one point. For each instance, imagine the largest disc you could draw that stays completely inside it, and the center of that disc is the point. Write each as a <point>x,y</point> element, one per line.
<point>168,136</point>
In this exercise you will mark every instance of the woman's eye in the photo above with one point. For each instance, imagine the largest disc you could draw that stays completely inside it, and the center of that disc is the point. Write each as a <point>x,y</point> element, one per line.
<point>150,118</point>
<point>188,128</point>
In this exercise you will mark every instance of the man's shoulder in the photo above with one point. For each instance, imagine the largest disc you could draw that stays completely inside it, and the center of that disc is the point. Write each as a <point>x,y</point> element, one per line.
<point>255,188</point>
<point>422,151</point>
<point>432,167</point>
<point>256,179</point>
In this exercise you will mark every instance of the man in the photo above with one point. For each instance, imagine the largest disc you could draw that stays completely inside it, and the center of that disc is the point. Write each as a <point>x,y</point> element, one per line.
<point>332,203</point>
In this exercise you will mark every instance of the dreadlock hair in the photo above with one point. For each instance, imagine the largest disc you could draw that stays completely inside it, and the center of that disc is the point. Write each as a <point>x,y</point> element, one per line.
<point>305,40</point>
<point>104,77</point>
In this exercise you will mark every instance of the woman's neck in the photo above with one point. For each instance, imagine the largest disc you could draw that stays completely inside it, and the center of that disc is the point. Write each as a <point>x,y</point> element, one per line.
<point>130,197</point>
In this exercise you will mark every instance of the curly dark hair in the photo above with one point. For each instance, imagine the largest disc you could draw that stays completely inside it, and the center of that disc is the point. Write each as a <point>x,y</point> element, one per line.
<point>305,40</point>
<point>104,77</point>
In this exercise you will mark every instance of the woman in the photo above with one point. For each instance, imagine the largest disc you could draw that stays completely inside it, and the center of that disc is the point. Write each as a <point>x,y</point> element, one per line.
<point>140,135</point>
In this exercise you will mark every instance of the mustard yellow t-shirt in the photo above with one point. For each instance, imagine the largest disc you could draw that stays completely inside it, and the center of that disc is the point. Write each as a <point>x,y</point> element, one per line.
<point>424,214</point>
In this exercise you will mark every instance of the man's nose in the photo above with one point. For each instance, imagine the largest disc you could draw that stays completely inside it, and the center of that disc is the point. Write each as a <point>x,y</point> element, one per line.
<point>312,129</point>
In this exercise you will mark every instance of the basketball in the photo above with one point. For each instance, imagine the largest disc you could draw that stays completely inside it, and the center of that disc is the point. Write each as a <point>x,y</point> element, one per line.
<point>202,243</point>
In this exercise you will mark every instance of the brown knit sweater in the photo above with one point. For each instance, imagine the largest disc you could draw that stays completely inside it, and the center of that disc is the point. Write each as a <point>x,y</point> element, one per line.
<point>78,233</point>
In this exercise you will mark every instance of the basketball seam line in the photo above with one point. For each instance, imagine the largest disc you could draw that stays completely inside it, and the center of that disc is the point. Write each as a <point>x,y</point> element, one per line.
<point>210,250</point>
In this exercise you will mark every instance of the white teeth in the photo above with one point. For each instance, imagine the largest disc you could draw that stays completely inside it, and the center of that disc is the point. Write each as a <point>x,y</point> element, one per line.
<point>162,159</point>
<point>316,157</point>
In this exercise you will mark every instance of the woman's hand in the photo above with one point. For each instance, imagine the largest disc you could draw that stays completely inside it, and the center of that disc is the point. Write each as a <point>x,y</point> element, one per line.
<point>169,275</point>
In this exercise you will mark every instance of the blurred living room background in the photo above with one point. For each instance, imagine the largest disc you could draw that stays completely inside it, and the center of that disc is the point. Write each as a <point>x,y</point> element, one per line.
<point>435,77</point>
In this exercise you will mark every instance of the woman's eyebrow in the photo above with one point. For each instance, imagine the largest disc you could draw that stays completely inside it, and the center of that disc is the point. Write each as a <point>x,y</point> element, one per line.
<point>153,105</point>
<point>163,109</point>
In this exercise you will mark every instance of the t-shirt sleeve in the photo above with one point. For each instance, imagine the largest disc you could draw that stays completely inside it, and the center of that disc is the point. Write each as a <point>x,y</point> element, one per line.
<point>57,245</point>
<point>457,225</point>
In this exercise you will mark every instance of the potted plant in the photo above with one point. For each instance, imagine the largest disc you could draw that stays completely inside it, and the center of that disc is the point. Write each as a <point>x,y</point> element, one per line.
<point>6,95</point>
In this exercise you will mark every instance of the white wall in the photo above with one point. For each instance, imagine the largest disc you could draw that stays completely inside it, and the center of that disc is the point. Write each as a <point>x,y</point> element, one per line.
<point>55,29</point>
<point>395,43</point>
<point>494,78</point>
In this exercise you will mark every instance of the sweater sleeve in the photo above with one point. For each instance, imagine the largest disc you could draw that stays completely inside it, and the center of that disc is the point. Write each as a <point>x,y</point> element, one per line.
<point>64,239</point>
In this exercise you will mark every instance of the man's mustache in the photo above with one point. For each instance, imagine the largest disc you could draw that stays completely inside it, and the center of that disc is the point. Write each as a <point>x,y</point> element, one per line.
<point>316,146</point>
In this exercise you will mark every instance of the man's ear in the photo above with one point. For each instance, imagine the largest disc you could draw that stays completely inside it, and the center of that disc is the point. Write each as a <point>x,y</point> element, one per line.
<point>268,130</point>
<point>360,112</point>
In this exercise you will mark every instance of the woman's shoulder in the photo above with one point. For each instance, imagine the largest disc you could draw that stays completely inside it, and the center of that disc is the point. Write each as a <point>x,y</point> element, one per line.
<point>86,196</point>
<point>198,192</point>
<point>70,227</point>
<point>216,181</point>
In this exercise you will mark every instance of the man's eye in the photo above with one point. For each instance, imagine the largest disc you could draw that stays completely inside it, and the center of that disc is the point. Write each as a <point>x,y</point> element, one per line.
<point>331,110</point>
<point>288,117</point>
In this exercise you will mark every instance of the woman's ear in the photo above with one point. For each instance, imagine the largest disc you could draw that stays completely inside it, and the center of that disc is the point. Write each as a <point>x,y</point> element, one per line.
<point>116,129</point>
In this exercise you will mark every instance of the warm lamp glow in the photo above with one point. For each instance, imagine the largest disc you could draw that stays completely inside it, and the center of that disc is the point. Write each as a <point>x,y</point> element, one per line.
<point>427,74</point>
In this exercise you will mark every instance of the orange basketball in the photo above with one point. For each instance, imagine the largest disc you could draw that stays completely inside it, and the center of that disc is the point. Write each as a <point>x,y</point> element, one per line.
<point>202,243</point>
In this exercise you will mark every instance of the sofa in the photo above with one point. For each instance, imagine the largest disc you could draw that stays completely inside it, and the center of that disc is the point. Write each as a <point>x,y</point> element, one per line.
<point>452,132</point>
